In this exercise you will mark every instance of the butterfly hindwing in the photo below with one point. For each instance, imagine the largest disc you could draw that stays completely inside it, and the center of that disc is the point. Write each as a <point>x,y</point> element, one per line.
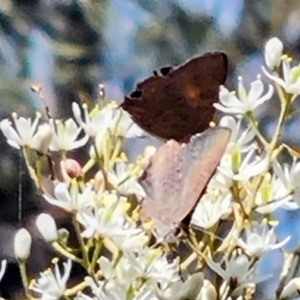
<point>178,174</point>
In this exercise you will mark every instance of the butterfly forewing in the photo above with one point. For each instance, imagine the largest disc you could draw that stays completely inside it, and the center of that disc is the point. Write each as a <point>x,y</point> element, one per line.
<point>178,174</point>
<point>180,104</point>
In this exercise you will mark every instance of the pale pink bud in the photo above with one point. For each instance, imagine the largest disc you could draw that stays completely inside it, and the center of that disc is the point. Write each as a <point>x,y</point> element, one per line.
<point>47,227</point>
<point>70,168</point>
<point>22,244</point>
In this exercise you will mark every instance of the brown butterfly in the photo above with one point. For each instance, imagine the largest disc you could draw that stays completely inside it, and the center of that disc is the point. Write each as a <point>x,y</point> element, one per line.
<point>179,103</point>
<point>178,174</point>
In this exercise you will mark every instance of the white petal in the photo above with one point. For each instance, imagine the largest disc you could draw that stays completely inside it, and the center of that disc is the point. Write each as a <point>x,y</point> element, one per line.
<point>256,90</point>
<point>266,97</point>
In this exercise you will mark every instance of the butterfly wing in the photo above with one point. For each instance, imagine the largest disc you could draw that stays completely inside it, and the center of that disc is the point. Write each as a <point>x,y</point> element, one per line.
<point>162,174</point>
<point>178,174</point>
<point>179,104</point>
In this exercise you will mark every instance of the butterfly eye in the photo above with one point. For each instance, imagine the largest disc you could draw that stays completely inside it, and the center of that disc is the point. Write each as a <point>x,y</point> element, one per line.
<point>136,94</point>
<point>165,71</point>
<point>155,73</point>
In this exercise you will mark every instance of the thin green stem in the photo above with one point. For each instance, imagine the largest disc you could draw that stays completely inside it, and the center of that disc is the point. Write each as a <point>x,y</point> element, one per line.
<point>24,277</point>
<point>66,253</point>
<point>285,100</point>
<point>115,152</point>
<point>96,255</point>
<point>81,242</point>
<point>254,126</point>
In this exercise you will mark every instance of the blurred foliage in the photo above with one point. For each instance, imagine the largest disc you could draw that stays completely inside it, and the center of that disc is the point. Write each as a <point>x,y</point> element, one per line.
<point>119,42</point>
<point>77,33</point>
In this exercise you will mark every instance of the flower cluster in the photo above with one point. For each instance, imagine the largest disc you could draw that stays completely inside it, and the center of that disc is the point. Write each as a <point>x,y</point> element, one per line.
<point>232,227</point>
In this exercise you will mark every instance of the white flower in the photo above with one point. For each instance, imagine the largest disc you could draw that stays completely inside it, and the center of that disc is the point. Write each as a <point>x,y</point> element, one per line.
<point>291,77</point>
<point>65,135</point>
<point>238,270</point>
<point>273,52</point>
<point>51,286</point>
<point>111,118</point>
<point>96,121</point>
<point>259,239</point>
<point>125,182</point>
<point>290,176</point>
<point>273,194</point>
<point>210,209</point>
<point>244,103</point>
<point>23,133</point>
<point>71,200</point>
<point>235,167</point>
<point>47,227</point>
<point>154,265</point>
<point>129,238</point>
<point>22,244</point>
<point>239,136</point>
<point>231,166</point>
<point>107,220</point>
<point>160,277</point>
<point>290,179</point>
<point>114,290</point>
<point>117,272</point>
<point>42,139</point>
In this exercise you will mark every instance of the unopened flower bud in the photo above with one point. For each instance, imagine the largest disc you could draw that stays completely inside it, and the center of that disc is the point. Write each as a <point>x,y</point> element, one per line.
<point>47,227</point>
<point>22,244</point>
<point>71,168</point>
<point>273,53</point>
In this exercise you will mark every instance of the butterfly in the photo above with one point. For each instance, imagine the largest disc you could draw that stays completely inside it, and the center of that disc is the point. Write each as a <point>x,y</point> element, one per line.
<point>178,173</point>
<point>178,102</point>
